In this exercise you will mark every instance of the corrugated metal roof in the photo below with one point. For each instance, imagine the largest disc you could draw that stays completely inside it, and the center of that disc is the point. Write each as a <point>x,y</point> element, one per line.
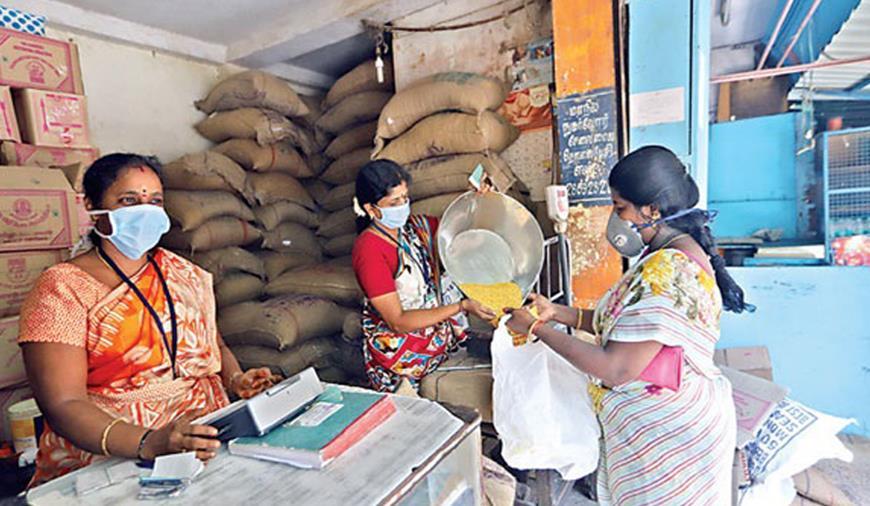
<point>852,41</point>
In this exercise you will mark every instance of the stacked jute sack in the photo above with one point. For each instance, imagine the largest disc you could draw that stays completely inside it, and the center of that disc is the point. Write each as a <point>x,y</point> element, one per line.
<point>349,122</point>
<point>240,210</point>
<point>440,128</point>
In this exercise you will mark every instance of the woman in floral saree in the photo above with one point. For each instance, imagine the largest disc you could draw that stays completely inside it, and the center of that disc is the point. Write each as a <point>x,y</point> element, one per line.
<point>666,411</point>
<point>120,343</point>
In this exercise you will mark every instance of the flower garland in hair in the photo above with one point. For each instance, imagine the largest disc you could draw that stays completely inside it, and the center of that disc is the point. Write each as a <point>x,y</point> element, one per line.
<point>357,209</point>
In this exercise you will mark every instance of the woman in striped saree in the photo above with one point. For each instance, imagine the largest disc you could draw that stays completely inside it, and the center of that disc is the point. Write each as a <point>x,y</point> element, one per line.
<point>120,343</point>
<point>666,411</point>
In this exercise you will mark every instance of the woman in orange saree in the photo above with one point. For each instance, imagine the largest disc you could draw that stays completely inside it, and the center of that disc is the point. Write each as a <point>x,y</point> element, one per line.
<point>121,343</point>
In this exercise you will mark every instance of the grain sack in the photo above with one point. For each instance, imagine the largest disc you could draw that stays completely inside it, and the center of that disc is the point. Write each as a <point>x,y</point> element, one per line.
<point>317,162</point>
<point>448,91</point>
<point>351,329</point>
<point>238,287</point>
<point>224,261</point>
<point>345,169</point>
<point>281,322</point>
<point>348,357</point>
<point>333,282</point>
<point>253,88</point>
<point>214,234</point>
<point>449,174</point>
<point>333,374</point>
<point>338,223</point>
<point>362,136</point>
<point>205,171</point>
<point>190,209</point>
<point>271,187</point>
<point>269,217</point>
<point>276,263</point>
<point>289,237</point>
<point>280,156</point>
<point>433,206</point>
<point>353,110</point>
<point>340,246</point>
<point>317,189</point>
<point>450,133</point>
<point>315,111</point>
<point>264,126</point>
<point>314,353</point>
<point>342,261</point>
<point>339,197</point>
<point>362,78</point>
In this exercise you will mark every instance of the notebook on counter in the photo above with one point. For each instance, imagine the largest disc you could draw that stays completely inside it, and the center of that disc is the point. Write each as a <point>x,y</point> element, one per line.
<point>332,424</point>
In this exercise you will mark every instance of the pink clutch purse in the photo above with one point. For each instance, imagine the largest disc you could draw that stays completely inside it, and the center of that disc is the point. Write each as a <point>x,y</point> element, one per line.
<point>665,370</point>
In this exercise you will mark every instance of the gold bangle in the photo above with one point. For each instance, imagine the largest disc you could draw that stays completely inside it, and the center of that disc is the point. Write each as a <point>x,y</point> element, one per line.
<point>105,440</point>
<point>530,336</point>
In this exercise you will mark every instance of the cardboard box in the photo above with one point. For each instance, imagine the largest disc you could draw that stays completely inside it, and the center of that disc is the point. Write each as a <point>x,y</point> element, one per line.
<point>37,209</point>
<point>8,397</point>
<point>15,153</point>
<point>754,400</point>
<point>85,222</point>
<point>75,175</point>
<point>8,119</point>
<point>11,363</point>
<point>30,61</point>
<point>51,118</point>
<point>463,380</point>
<point>18,273</point>
<point>754,360</point>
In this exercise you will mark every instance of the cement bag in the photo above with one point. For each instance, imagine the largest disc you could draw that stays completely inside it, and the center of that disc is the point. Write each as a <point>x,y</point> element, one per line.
<point>339,197</point>
<point>449,174</point>
<point>253,88</point>
<point>264,126</point>
<point>541,409</point>
<point>276,263</point>
<point>345,169</point>
<point>362,136</point>
<point>290,237</point>
<point>332,282</point>
<point>272,187</point>
<point>228,260</point>
<point>191,209</point>
<point>353,110</point>
<point>340,246</point>
<point>313,353</point>
<point>205,171</point>
<point>341,222</point>
<point>269,217</point>
<point>450,133</point>
<point>362,78</point>
<point>433,206</point>
<point>281,322</point>
<point>214,234</point>
<point>448,91</point>
<point>238,287</point>
<point>281,157</point>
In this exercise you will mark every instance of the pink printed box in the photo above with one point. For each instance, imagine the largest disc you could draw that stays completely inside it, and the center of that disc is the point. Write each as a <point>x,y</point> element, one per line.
<point>31,61</point>
<point>8,121</point>
<point>37,210</point>
<point>50,118</point>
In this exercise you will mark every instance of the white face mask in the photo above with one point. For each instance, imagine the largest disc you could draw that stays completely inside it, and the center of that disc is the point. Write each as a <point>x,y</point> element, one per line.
<point>135,229</point>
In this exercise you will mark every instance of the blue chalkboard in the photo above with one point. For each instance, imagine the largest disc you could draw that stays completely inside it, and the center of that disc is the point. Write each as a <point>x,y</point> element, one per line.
<point>588,145</point>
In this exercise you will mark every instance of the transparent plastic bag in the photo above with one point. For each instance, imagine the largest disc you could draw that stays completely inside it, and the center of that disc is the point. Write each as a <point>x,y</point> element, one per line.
<point>541,409</point>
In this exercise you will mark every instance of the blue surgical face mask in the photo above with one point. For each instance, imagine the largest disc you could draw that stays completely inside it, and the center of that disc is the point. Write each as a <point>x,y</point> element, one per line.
<point>135,229</point>
<point>395,217</point>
